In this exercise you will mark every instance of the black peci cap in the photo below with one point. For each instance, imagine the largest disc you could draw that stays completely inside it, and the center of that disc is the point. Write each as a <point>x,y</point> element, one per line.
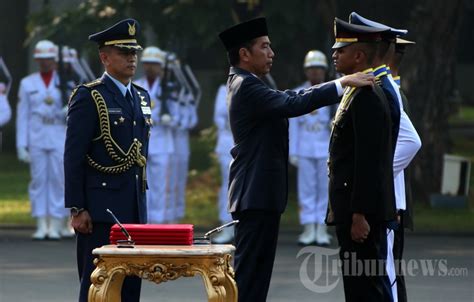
<point>243,32</point>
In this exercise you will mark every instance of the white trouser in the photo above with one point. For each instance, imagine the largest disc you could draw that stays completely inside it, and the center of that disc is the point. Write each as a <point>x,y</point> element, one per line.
<point>390,264</point>
<point>312,189</point>
<point>224,161</point>
<point>46,188</point>
<point>182,166</point>
<point>158,170</point>
<point>172,190</point>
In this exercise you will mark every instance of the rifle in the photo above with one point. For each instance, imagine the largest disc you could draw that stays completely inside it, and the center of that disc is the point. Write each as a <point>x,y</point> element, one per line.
<point>85,66</point>
<point>165,117</point>
<point>196,88</point>
<point>62,76</point>
<point>5,76</point>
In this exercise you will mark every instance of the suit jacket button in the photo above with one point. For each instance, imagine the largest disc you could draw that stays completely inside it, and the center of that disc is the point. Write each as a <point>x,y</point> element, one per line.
<point>134,123</point>
<point>104,184</point>
<point>345,184</point>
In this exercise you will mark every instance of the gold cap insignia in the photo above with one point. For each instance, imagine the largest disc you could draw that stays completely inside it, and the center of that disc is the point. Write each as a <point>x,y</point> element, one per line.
<point>131,29</point>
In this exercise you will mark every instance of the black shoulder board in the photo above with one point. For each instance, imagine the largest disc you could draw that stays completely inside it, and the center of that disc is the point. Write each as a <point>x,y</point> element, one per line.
<point>138,86</point>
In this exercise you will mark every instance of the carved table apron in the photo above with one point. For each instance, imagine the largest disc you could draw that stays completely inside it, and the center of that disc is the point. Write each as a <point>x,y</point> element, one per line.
<point>160,263</point>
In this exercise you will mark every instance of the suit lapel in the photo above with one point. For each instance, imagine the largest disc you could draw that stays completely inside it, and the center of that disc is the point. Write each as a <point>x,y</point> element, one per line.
<point>119,99</point>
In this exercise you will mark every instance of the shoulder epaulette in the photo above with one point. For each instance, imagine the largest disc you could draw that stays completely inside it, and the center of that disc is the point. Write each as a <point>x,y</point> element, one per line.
<point>93,83</point>
<point>73,93</point>
<point>138,86</point>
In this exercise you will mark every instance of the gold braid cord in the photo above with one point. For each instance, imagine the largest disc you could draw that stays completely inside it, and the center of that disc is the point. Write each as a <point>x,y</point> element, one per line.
<point>125,160</point>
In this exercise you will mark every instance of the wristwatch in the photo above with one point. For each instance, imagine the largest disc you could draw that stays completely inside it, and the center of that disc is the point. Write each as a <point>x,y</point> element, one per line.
<point>76,211</point>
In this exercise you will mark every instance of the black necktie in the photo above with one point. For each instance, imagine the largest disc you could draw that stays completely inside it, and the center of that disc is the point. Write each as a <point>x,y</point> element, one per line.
<point>129,98</point>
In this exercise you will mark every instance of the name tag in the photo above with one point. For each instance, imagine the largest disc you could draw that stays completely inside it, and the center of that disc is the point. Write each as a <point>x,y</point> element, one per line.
<point>146,110</point>
<point>115,110</point>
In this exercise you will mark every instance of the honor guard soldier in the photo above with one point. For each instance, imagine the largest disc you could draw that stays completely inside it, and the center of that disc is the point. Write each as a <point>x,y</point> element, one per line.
<point>258,177</point>
<point>222,150</point>
<point>40,134</point>
<point>161,145</point>
<point>108,127</point>
<point>406,216</point>
<point>361,194</point>
<point>5,110</point>
<point>309,141</point>
<point>407,141</point>
<point>188,119</point>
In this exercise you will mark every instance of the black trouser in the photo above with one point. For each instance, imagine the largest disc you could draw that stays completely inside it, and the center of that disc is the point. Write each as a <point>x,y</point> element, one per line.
<point>398,246</point>
<point>256,237</point>
<point>85,263</point>
<point>363,265</point>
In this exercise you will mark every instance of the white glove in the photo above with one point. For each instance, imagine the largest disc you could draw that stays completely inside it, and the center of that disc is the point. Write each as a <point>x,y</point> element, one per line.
<point>294,161</point>
<point>23,155</point>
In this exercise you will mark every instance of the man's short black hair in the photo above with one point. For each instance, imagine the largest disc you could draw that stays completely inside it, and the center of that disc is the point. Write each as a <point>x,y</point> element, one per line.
<point>370,50</point>
<point>382,49</point>
<point>233,53</point>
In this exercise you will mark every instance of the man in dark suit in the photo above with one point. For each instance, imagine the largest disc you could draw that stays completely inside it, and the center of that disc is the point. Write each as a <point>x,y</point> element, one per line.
<point>108,127</point>
<point>258,177</point>
<point>361,192</point>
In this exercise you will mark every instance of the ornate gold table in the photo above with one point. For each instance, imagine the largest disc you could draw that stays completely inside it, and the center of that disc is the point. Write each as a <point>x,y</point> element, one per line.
<point>160,263</point>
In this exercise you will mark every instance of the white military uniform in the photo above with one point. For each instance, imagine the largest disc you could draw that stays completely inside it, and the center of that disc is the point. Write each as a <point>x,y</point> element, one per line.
<point>160,150</point>
<point>5,110</point>
<point>309,142</point>
<point>41,129</point>
<point>408,144</point>
<point>225,142</point>
<point>187,119</point>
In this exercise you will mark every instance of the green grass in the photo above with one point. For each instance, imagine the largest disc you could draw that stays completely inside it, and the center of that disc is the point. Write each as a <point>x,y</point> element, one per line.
<point>203,186</point>
<point>443,220</point>
<point>465,114</point>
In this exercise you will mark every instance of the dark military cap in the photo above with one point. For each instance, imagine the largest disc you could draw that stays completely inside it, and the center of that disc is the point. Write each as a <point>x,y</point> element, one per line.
<point>122,35</point>
<point>346,33</point>
<point>401,44</point>
<point>390,34</point>
<point>243,32</point>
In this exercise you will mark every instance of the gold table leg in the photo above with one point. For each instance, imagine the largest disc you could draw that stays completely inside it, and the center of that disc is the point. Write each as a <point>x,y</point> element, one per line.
<point>216,272</point>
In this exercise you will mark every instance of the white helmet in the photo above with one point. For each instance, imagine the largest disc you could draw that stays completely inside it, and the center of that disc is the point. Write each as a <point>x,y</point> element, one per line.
<point>315,58</point>
<point>69,54</point>
<point>153,54</point>
<point>45,49</point>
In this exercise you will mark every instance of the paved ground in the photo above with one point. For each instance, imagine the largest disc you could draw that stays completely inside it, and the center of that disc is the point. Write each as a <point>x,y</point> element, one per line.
<point>45,271</point>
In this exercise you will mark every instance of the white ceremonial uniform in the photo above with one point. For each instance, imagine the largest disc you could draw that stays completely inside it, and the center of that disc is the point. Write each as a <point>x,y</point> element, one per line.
<point>41,129</point>
<point>175,113</point>
<point>225,142</point>
<point>408,144</point>
<point>187,120</point>
<point>309,142</point>
<point>5,110</point>
<point>160,149</point>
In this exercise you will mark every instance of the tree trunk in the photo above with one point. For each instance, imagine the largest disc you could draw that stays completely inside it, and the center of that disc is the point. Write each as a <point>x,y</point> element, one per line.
<point>435,25</point>
<point>14,53</point>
